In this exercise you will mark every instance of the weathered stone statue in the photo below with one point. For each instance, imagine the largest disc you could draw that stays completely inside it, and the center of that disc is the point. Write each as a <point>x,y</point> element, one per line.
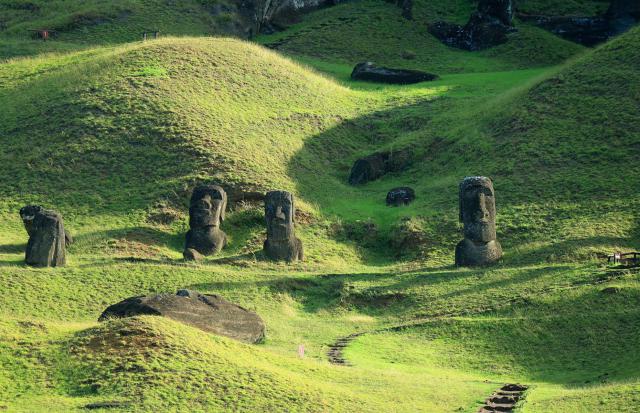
<point>28,213</point>
<point>281,243</point>
<point>478,214</point>
<point>206,213</point>
<point>46,245</point>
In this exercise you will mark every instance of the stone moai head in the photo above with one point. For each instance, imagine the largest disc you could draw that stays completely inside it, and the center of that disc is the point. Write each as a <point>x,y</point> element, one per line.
<point>207,206</point>
<point>46,245</point>
<point>279,211</point>
<point>478,208</point>
<point>28,214</point>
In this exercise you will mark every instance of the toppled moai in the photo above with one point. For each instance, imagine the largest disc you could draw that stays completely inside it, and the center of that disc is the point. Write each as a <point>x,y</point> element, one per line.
<point>208,312</point>
<point>206,214</point>
<point>281,243</point>
<point>478,215</point>
<point>47,238</point>
<point>403,195</point>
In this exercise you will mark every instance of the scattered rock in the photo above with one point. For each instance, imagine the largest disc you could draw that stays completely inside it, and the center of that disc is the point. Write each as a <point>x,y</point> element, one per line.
<point>47,241</point>
<point>281,243</point>
<point>478,214</point>
<point>370,72</point>
<point>487,27</point>
<point>376,165</point>
<point>207,312</point>
<point>403,195</point>
<point>206,214</point>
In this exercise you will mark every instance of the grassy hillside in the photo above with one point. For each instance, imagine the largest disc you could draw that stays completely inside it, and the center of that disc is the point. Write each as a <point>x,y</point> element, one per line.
<point>375,31</point>
<point>82,23</point>
<point>116,136</point>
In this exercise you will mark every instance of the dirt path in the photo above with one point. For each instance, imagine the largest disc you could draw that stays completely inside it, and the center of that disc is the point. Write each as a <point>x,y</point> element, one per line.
<point>504,399</point>
<point>335,349</point>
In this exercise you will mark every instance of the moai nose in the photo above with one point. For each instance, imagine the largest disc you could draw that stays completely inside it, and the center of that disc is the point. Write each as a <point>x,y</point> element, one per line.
<point>280,214</point>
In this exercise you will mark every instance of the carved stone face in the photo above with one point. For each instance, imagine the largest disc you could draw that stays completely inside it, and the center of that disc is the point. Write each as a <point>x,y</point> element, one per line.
<point>279,211</point>
<point>478,209</point>
<point>28,213</point>
<point>208,205</point>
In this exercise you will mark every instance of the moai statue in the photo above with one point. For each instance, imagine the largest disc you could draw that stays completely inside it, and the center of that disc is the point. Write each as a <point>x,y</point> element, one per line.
<point>46,246</point>
<point>206,213</point>
<point>281,243</point>
<point>478,214</point>
<point>29,212</point>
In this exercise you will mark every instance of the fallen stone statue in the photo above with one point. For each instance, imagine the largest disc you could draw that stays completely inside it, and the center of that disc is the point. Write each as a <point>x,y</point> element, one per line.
<point>403,195</point>
<point>281,243</point>
<point>47,238</point>
<point>208,312</point>
<point>370,72</point>
<point>206,214</point>
<point>478,215</point>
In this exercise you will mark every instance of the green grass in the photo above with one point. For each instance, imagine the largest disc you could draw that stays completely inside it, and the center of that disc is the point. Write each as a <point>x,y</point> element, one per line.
<point>115,136</point>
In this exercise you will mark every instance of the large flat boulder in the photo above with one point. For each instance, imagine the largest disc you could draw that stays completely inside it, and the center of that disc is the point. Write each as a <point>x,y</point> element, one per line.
<point>207,312</point>
<point>370,72</point>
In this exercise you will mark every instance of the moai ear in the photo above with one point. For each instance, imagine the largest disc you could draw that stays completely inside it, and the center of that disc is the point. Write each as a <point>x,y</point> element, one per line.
<point>224,207</point>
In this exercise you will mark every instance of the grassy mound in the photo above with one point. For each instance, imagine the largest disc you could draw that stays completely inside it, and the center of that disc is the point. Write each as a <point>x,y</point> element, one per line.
<point>81,23</point>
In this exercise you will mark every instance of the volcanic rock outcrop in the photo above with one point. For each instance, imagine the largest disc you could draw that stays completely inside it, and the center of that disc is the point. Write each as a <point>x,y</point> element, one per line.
<point>46,245</point>
<point>207,312</point>
<point>488,26</point>
<point>370,72</point>
<point>281,243</point>
<point>478,214</point>
<point>590,30</point>
<point>206,214</point>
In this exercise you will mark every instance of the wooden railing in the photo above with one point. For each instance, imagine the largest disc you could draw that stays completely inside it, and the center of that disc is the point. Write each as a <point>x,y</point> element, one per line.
<point>627,258</point>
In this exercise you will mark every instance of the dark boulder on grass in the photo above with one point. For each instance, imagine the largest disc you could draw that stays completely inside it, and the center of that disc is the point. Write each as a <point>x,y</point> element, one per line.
<point>370,72</point>
<point>207,312</point>
<point>378,164</point>
<point>46,245</point>
<point>403,195</point>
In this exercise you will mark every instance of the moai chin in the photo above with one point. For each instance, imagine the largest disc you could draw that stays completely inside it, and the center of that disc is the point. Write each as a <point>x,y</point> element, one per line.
<point>281,243</point>
<point>206,214</point>
<point>478,215</point>
<point>46,245</point>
